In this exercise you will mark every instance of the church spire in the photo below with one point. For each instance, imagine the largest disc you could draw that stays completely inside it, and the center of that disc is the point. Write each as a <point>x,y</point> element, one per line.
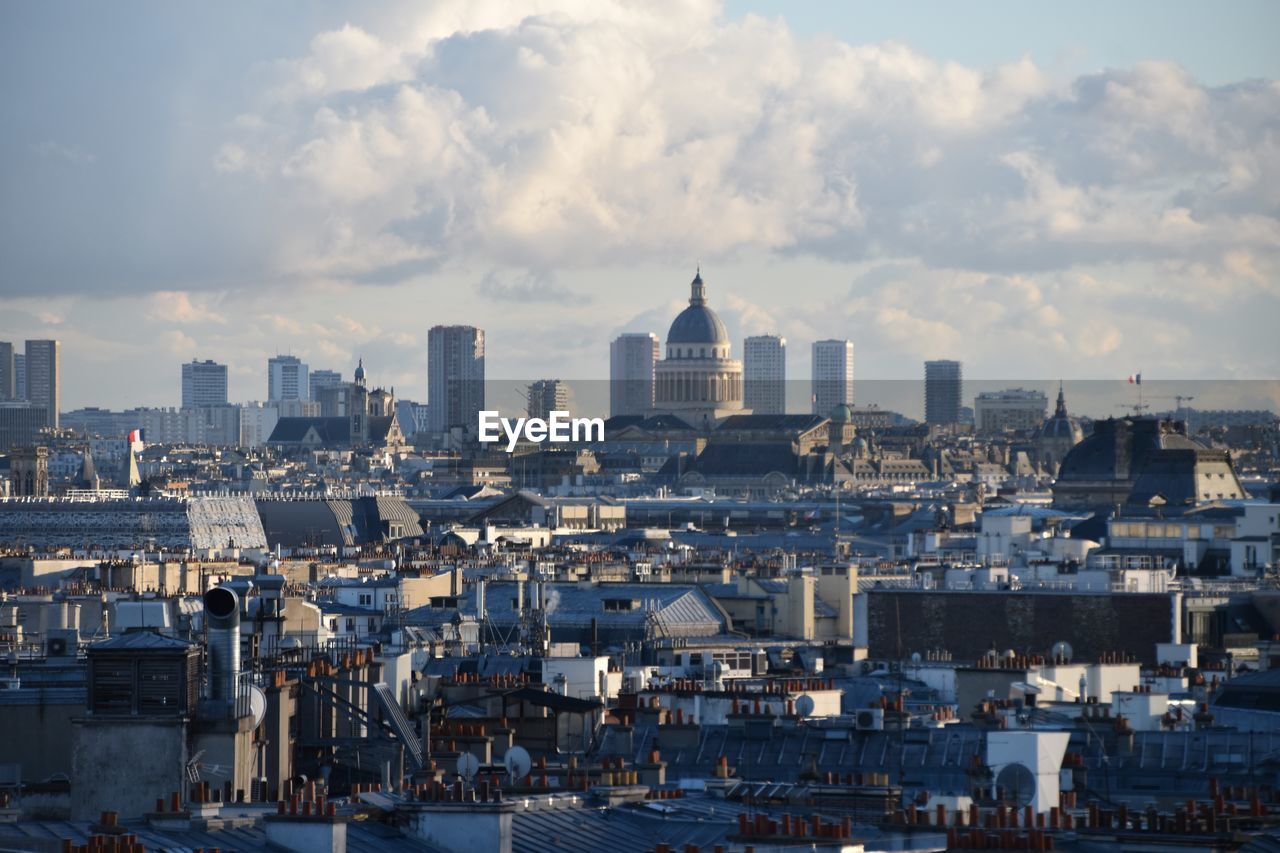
<point>1061,410</point>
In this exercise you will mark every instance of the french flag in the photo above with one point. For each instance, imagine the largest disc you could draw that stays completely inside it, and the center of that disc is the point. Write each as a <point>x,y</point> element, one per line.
<point>136,436</point>
<point>1135,379</point>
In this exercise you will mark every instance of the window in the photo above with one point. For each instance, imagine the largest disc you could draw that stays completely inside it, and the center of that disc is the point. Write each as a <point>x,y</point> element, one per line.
<point>351,625</point>
<point>366,599</point>
<point>620,604</point>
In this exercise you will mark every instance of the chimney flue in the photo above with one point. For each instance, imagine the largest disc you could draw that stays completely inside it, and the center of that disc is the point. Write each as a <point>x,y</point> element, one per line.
<point>222,611</point>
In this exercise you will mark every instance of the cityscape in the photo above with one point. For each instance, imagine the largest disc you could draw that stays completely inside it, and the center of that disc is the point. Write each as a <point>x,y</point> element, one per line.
<point>875,507</point>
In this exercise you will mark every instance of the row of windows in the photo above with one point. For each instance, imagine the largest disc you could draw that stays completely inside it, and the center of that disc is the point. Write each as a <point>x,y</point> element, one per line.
<point>687,352</point>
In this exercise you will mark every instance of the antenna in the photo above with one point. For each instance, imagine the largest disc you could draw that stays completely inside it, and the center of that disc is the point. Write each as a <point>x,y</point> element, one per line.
<point>517,762</point>
<point>804,705</point>
<point>468,766</point>
<point>257,704</point>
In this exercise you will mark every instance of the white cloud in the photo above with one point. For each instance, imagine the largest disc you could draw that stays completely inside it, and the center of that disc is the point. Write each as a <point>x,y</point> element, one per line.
<point>575,134</point>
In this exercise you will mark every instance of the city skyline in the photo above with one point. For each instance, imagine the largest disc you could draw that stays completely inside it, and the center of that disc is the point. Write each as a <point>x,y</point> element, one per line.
<point>1102,180</point>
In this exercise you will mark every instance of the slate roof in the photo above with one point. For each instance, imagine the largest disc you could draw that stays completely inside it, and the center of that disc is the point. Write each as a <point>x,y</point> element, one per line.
<point>777,423</point>
<point>647,423</point>
<point>294,430</point>
<point>737,460</point>
<point>682,609</point>
<point>39,836</point>
<point>140,640</point>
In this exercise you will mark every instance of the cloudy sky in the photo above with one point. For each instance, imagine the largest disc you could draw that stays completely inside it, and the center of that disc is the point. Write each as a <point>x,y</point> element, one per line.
<point>1036,194</point>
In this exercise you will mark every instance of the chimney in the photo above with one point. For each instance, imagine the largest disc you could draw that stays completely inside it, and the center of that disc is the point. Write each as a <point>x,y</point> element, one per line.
<point>222,612</point>
<point>309,833</point>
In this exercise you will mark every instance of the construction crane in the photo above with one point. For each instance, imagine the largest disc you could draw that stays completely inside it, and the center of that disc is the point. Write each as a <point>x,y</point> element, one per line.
<point>1139,407</point>
<point>1178,400</point>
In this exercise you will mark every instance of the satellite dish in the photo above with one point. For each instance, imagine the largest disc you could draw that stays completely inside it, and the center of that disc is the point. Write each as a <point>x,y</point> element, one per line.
<point>916,658</point>
<point>1062,651</point>
<point>804,705</point>
<point>1018,784</point>
<point>468,765</point>
<point>257,704</point>
<point>517,762</point>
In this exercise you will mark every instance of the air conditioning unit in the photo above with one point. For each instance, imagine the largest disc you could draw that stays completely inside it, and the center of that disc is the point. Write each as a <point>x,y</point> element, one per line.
<point>55,647</point>
<point>869,720</point>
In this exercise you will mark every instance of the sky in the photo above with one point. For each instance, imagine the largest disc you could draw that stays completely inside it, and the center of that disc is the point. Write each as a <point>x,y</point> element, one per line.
<point>1038,190</point>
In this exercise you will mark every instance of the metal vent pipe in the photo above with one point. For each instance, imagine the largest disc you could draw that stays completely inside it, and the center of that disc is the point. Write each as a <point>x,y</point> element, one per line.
<point>222,612</point>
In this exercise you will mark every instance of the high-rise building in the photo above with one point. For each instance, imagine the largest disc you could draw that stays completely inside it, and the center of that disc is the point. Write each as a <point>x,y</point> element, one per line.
<point>455,377</point>
<point>44,377</point>
<point>20,424</point>
<point>546,396</point>
<point>204,383</point>
<point>832,375</point>
<point>942,392</point>
<point>8,380</point>
<point>19,376</point>
<point>318,379</point>
<point>1013,409</point>
<point>764,374</point>
<point>287,379</point>
<point>632,358</point>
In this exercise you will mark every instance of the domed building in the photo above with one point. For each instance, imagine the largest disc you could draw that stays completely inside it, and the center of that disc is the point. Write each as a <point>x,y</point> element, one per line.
<point>1143,463</point>
<point>1056,436</point>
<point>698,381</point>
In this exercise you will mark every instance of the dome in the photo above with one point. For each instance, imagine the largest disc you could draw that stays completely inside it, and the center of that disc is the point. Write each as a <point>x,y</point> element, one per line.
<point>697,324</point>
<point>1058,428</point>
<point>842,414</point>
<point>1060,425</point>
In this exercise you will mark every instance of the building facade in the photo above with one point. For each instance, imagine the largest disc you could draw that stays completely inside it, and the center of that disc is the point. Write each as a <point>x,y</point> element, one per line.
<point>546,396</point>
<point>287,379</point>
<point>832,370</point>
<point>632,361</point>
<point>943,386</point>
<point>20,376</point>
<point>1014,409</point>
<point>764,361</point>
<point>317,379</point>
<point>455,377</point>
<point>699,380</point>
<point>21,423</point>
<point>44,377</point>
<point>204,383</point>
<point>8,378</point>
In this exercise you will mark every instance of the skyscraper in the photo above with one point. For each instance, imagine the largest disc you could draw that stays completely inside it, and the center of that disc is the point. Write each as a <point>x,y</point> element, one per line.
<point>204,383</point>
<point>546,396</point>
<point>287,379</point>
<point>455,376</point>
<point>8,379</point>
<point>44,377</point>
<point>764,374</point>
<point>832,375</point>
<point>318,379</point>
<point>942,392</point>
<point>19,376</point>
<point>632,358</point>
